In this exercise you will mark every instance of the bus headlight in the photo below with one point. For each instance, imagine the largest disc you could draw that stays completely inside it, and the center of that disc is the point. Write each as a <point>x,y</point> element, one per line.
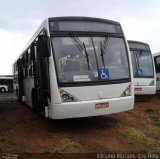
<point>126,92</point>
<point>66,97</point>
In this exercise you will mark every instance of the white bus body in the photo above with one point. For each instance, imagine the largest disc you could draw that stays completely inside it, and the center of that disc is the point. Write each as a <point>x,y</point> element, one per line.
<point>76,67</point>
<point>6,83</point>
<point>143,68</point>
<point>157,66</point>
<point>3,88</point>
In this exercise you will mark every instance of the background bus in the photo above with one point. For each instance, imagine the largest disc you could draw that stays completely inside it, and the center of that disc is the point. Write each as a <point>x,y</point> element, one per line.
<point>76,67</point>
<point>143,68</point>
<point>157,66</point>
<point>6,83</point>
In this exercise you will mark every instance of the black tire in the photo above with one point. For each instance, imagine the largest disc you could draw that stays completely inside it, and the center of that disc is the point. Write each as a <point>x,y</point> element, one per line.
<point>2,90</point>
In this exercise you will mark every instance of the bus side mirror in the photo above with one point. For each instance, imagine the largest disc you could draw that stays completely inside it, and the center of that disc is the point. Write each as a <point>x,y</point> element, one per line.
<point>43,45</point>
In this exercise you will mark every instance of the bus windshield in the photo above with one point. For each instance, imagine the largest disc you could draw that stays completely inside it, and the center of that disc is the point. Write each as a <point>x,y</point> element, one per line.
<point>90,59</point>
<point>142,63</point>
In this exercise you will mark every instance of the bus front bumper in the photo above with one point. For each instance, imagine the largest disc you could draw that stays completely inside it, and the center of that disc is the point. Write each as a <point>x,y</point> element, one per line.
<point>90,108</point>
<point>144,90</point>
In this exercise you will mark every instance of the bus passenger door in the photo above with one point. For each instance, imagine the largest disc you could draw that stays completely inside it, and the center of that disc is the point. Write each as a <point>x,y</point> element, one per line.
<point>41,92</point>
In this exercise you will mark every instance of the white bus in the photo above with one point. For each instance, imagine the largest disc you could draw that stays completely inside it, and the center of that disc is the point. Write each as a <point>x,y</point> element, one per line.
<point>143,68</point>
<point>6,83</point>
<point>76,67</point>
<point>157,66</point>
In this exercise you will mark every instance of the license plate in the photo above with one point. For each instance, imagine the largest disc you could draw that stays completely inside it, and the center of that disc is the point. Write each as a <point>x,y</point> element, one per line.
<point>138,89</point>
<point>101,105</point>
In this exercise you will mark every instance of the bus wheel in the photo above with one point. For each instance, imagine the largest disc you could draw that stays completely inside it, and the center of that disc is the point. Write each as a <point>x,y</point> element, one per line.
<point>3,90</point>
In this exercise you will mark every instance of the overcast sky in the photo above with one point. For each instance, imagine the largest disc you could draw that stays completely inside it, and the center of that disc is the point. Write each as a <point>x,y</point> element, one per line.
<point>19,20</point>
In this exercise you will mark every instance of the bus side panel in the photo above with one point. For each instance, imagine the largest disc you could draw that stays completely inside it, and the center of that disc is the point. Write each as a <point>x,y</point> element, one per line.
<point>28,85</point>
<point>158,81</point>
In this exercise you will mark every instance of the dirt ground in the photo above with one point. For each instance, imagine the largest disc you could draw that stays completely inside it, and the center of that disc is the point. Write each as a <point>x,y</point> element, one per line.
<point>136,131</point>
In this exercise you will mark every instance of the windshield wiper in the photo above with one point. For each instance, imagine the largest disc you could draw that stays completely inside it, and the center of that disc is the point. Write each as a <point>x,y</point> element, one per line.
<point>102,54</point>
<point>87,55</point>
<point>95,53</point>
<point>104,49</point>
<point>105,44</point>
<point>137,59</point>
<point>81,46</point>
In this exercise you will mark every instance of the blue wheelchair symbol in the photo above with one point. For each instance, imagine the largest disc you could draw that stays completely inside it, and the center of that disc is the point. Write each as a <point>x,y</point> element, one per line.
<point>140,72</point>
<point>103,74</point>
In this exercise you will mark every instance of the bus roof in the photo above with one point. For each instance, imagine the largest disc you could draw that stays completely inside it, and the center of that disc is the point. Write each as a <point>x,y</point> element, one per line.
<point>138,45</point>
<point>138,42</point>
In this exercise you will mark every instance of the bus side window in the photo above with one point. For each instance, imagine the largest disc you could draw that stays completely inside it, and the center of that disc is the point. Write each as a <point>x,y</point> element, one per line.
<point>24,65</point>
<point>34,58</point>
<point>29,63</point>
